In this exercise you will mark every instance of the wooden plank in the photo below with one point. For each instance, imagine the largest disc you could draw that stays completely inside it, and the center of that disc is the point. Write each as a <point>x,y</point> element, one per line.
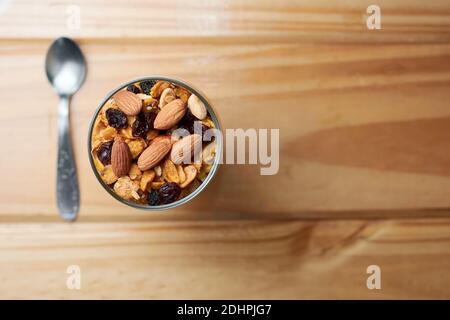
<point>249,21</point>
<point>363,118</point>
<point>363,128</point>
<point>223,260</point>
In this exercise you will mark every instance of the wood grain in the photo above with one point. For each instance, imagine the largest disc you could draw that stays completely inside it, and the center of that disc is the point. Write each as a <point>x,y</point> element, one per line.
<point>227,260</point>
<point>363,118</point>
<point>403,21</point>
<point>362,127</point>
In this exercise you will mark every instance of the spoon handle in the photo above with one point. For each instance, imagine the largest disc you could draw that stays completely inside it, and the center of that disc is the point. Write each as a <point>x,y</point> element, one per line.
<point>67,192</point>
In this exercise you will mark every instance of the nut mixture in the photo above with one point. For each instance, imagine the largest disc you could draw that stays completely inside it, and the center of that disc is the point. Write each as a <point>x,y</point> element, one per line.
<point>137,150</point>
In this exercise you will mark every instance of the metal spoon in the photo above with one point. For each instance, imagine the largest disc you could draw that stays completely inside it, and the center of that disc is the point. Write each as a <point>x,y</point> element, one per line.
<point>66,70</point>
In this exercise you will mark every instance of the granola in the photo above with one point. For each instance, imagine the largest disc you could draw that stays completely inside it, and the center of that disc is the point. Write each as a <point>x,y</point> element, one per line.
<point>146,169</point>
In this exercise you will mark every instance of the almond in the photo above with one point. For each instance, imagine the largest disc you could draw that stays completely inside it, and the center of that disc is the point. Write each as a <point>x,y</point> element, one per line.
<point>158,148</point>
<point>120,158</point>
<point>184,149</point>
<point>128,102</point>
<point>170,115</point>
<point>197,107</point>
<point>168,95</point>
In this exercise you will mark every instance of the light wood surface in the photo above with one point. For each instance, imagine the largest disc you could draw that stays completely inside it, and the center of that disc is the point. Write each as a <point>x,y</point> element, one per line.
<point>364,133</point>
<point>226,260</point>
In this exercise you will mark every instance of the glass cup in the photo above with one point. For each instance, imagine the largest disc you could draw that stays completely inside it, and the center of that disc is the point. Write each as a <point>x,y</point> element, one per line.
<point>214,166</point>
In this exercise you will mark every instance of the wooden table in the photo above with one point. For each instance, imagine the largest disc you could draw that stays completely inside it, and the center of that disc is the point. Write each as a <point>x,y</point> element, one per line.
<point>364,175</point>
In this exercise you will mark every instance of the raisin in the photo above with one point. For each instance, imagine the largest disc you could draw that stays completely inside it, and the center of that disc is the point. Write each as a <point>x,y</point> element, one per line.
<point>150,118</point>
<point>191,128</point>
<point>188,120</point>
<point>147,85</point>
<point>116,118</point>
<point>152,198</point>
<point>143,123</point>
<point>139,128</point>
<point>104,152</point>
<point>168,193</point>
<point>134,89</point>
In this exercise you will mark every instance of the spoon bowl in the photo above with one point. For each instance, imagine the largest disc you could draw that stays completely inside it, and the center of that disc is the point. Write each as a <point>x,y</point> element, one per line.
<point>65,66</point>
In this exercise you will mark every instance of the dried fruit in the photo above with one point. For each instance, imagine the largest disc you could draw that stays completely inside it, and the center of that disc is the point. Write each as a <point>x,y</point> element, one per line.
<point>128,102</point>
<point>104,152</point>
<point>192,124</point>
<point>155,152</point>
<point>133,146</point>
<point>153,198</point>
<point>197,107</point>
<point>143,123</point>
<point>116,118</point>
<point>133,88</point>
<point>170,172</point>
<point>120,157</point>
<point>184,149</point>
<point>168,95</point>
<point>168,193</point>
<point>110,104</point>
<point>190,172</point>
<point>172,113</point>
<point>188,120</point>
<point>146,179</point>
<point>147,85</point>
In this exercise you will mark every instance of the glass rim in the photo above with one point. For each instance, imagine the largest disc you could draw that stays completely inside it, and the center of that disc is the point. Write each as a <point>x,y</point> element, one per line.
<point>214,167</point>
